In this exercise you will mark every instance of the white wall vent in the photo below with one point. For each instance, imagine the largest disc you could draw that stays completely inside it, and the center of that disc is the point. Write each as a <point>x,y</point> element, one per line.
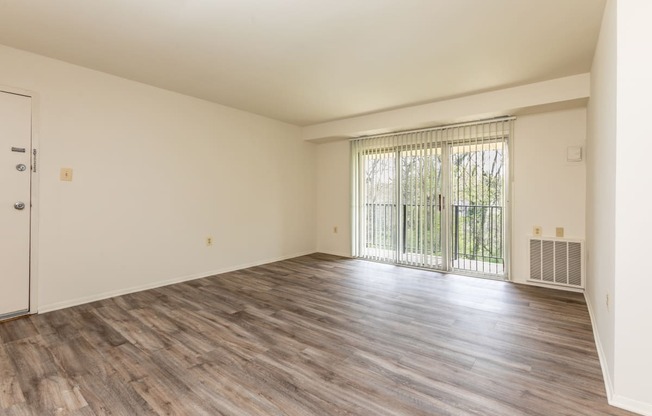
<point>557,262</point>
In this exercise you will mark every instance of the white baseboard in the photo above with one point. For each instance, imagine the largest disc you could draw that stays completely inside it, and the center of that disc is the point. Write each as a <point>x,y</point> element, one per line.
<point>608,384</point>
<point>548,286</point>
<point>632,405</point>
<point>335,253</point>
<point>105,295</point>
<point>613,398</point>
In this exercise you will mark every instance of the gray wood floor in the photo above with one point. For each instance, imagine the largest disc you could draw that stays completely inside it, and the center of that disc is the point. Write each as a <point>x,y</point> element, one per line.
<point>315,335</point>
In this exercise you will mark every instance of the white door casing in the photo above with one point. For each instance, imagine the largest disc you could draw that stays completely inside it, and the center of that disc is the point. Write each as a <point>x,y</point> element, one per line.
<point>15,187</point>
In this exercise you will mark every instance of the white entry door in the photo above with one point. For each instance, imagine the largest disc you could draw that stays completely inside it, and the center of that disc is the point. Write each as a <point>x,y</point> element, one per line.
<point>15,203</point>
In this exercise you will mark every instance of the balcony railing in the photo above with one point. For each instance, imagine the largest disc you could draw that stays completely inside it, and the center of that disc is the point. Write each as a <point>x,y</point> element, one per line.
<point>477,231</point>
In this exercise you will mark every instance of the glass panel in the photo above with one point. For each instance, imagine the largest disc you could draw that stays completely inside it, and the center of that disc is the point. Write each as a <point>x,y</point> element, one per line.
<point>421,215</point>
<point>477,182</point>
<point>380,205</point>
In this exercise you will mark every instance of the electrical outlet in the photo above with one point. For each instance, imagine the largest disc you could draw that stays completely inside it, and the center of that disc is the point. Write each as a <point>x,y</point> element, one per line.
<point>335,229</point>
<point>537,231</point>
<point>559,232</point>
<point>209,241</point>
<point>65,174</point>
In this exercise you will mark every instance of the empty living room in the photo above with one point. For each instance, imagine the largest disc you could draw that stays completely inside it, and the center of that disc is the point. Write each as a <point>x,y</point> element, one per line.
<point>301,207</point>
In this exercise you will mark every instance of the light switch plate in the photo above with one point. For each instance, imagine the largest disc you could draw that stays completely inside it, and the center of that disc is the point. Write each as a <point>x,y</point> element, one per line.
<point>65,174</point>
<point>574,154</point>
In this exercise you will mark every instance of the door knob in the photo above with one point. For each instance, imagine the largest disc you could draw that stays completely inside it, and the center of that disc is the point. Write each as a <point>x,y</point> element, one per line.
<point>21,167</point>
<point>19,205</point>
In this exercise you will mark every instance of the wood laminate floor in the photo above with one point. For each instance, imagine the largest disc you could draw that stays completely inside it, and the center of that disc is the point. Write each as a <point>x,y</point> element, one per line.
<point>315,335</point>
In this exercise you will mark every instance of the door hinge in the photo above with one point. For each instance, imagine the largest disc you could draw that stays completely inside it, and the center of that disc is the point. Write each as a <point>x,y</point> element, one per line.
<point>34,161</point>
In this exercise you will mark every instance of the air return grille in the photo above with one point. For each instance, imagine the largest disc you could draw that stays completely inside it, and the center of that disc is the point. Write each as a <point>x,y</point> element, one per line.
<point>557,262</point>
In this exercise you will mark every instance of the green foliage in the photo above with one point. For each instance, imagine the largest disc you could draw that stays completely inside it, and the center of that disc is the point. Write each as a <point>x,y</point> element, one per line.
<point>476,187</point>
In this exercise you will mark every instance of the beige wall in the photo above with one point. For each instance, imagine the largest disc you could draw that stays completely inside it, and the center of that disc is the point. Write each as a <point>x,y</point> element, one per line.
<point>633,279</point>
<point>334,198</point>
<point>155,173</point>
<point>534,97</point>
<point>601,189</point>
<point>548,191</point>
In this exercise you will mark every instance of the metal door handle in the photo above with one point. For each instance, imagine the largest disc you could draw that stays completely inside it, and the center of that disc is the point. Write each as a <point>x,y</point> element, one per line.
<point>19,205</point>
<point>21,167</point>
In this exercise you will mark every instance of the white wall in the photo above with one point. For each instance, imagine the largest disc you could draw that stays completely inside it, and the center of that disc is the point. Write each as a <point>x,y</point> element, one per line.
<point>334,198</point>
<point>619,149</point>
<point>155,173</point>
<point>633,282</point>
<point>601,188</point>
<point>548,191</point>
<point>536,97</point>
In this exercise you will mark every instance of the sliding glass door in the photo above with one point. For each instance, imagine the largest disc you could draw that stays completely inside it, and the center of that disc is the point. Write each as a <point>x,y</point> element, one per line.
<point>477,196</point>
<point>434,198</point>
<point>421,220</point>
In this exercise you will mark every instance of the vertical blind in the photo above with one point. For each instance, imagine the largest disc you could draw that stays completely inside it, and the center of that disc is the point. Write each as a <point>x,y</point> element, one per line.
<point>433,198</point>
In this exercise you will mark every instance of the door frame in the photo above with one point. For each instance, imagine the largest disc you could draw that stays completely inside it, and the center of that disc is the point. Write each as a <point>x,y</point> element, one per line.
<point>34,195</point>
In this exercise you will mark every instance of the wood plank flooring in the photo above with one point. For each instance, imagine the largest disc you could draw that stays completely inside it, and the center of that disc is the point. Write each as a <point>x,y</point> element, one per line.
<point>315,335</point>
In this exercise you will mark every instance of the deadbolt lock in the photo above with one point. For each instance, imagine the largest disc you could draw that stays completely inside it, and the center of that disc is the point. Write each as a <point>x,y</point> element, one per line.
<point>19,205</point>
